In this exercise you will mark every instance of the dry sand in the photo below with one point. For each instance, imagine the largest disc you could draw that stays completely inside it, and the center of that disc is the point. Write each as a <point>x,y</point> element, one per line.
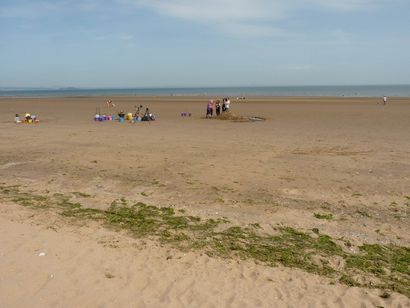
<point>345,156</point>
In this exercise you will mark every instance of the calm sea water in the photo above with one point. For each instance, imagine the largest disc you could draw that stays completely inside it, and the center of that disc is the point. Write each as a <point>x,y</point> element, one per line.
<point>348,91</point>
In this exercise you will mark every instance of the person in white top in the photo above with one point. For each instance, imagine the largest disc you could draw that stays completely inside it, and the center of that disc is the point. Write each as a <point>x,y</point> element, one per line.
<point>384,100</point>
<point>17,119</point>
<point>227,104</point>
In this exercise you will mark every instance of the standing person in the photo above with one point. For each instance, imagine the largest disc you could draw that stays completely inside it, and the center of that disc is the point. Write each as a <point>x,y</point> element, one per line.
<point>210,109</point>
<point>224,104</point>
<point>227,104</point>
<point>384,100</point>
<point>218,107</point>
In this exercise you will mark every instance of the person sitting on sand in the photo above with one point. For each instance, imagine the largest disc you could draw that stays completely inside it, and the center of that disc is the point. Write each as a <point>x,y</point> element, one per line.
<point>128,116</point>
<point>137,116</point>
<point>138,109</point>
<point>121,115</point>
<point>17,119</point>
<point>146,116</point>
<point>28,118</point>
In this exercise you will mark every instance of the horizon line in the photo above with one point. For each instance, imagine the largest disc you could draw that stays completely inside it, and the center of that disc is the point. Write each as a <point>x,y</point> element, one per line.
<point>67,88</point>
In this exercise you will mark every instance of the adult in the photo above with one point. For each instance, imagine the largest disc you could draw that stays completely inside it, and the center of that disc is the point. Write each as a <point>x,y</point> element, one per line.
<point>384,100</point>
<point>137,116</point>
<point>210,109</point>
<point>138,109</point>
<point>146,116</point>
<point>227,104</point>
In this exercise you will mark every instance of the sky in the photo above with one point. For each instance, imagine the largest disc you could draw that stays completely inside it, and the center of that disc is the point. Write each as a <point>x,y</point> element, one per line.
<point>189,43</point>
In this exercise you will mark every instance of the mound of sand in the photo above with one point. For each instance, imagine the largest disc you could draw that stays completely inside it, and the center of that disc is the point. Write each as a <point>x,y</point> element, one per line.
<point>235,118</point>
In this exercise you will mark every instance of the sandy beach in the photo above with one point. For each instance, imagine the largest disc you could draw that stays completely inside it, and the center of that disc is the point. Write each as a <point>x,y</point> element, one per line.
<point>333,166</point>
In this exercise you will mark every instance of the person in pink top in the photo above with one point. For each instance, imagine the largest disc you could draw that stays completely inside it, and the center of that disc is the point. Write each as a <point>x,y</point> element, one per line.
<point>210,109</point>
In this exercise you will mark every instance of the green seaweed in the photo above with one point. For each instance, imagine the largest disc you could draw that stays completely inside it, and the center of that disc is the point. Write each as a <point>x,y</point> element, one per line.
<point>323,216</point>
<point>389,265</point>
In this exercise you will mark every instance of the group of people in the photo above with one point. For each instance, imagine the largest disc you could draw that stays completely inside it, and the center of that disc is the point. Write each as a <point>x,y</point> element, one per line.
<point>122,116</point>
<point>110,104</point>
<point>28,118</point>
<point>138,116</point>
<point>218,107</point>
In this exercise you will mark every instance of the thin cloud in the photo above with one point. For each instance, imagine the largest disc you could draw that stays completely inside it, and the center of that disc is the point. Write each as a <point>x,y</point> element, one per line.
<point>241,18</point>
<point>351,5</point>
<point>215,10</point>
<point>35,9</point>
<point>245,10</point>
<point>250,18</point>
<point>205,10</point>
<point>28,10</point>
<point>238,18</point>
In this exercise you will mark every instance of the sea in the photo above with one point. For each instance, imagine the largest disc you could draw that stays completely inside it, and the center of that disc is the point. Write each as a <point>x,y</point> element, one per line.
<point>338,91</point>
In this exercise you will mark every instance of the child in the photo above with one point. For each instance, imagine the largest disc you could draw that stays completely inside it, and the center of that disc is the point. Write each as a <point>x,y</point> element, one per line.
<point>28,118</point>
<point>17,119</point>
<point>218,107</point>
<point>224,104</point>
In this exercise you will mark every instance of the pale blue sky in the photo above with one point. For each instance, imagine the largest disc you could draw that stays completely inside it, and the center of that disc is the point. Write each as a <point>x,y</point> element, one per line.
<point>155,43</point>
